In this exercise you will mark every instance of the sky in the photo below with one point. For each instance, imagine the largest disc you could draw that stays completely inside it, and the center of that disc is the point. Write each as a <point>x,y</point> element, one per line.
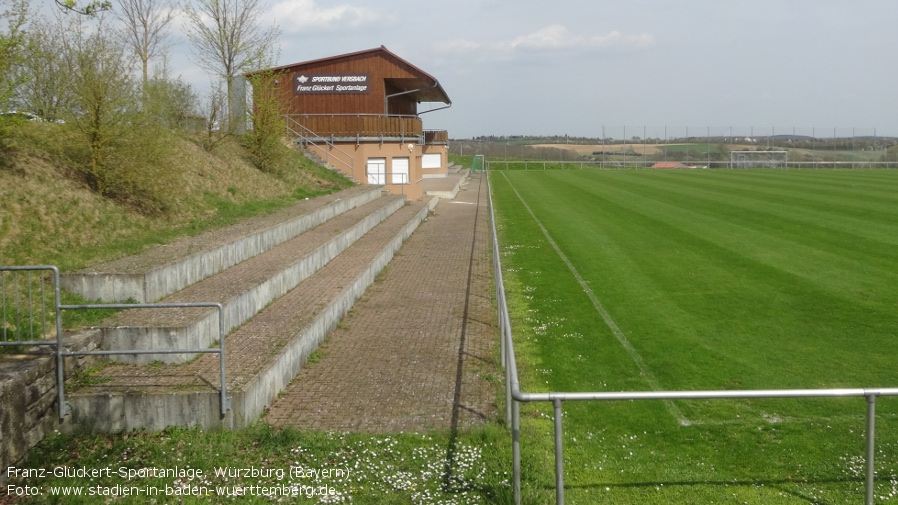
<point>606,68</point>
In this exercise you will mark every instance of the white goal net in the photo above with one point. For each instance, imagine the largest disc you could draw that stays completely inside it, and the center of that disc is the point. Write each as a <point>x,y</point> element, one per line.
<point>758,159</point>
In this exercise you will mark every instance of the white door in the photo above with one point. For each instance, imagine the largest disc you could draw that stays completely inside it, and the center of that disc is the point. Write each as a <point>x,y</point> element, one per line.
<point>376,169</point>
<point>400,170</point>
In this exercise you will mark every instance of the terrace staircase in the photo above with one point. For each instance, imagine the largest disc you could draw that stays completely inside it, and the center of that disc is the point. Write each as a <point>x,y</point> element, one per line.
<point>284,282</point>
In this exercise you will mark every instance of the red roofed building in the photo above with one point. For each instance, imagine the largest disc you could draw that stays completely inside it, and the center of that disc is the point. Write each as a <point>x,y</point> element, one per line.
<point>359,113</point>
<point>669,164</point>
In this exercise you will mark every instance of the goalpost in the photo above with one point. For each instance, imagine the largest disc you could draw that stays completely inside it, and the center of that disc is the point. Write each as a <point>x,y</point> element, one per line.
<point>477,163</point>
<point>759,159</point>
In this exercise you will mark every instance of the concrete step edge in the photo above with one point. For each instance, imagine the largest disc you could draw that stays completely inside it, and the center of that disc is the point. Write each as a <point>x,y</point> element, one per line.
<point>157,282</point>
<point>114,411</point>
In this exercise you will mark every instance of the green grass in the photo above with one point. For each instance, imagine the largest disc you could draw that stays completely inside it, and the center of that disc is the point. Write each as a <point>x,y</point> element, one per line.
<point>49,214</point>
<point>29,309</point>
<point>349,468</point>
<point>719,280</point>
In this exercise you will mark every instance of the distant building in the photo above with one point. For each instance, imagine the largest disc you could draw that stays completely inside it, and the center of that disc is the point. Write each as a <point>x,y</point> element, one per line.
<point>359,113</point>
<point>670,164</point>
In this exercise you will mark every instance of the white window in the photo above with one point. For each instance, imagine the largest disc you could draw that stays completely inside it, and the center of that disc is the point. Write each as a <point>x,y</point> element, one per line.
<point>399,170</point>
<point>432,160</point>
<point>376,169</point>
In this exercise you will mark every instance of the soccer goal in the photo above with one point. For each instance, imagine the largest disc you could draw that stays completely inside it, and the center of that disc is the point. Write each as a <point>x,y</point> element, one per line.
<point>759,159</point>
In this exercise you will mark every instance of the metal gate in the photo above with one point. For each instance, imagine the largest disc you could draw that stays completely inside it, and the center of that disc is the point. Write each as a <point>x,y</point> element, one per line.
<point>27,308</point>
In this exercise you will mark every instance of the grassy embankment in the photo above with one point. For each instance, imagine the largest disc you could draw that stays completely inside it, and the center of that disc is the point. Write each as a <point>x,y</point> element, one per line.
<point>49,216</point>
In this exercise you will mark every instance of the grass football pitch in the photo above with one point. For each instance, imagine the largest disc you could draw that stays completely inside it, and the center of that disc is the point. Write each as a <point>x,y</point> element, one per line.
<point>707,280</point>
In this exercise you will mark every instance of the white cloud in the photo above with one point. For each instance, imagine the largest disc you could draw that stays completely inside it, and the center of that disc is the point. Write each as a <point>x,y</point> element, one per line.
<point>557,37</point>
<point>553,38</point>
<point>299,15</point>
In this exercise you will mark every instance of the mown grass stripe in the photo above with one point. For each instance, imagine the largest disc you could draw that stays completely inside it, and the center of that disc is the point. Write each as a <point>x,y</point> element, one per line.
<point>700,251</point>
<point>615,329</point>
<point>878,180</point>
<point>636,286</point>
<point>867,223</point>
<point>705,310</point>
<point>856,203</point>
<point>777,225</point>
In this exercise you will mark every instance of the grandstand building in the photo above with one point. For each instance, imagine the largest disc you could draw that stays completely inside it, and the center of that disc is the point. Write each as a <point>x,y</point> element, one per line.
<point>359,113</point>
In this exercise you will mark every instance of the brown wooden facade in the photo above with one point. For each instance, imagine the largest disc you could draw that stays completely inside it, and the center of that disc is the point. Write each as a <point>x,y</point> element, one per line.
<point>351,129</point>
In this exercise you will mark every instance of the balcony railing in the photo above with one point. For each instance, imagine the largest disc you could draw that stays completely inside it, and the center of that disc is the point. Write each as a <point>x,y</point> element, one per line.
<point>360,126</point>
<point>440,137</point>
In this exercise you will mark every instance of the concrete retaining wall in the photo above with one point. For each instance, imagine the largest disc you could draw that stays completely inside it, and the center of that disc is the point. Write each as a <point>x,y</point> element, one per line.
<point>28,396</point>
<point>160,282</point>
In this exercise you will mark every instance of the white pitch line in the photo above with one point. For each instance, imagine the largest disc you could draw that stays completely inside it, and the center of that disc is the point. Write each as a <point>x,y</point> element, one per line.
<point>618,334</point>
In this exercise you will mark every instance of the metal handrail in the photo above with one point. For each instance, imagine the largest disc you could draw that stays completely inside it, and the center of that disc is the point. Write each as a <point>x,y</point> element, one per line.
<point>379,174</point>
<point>515,395</point>
<point>308,135</point>
<point>224,399</point>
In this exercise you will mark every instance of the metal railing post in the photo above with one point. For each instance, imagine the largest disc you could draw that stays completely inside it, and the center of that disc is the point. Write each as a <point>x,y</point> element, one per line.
<point>871,447</point>
<point>559,455</point>
<point>60,360</point>
<point>516,450</point>
<point>224,402</point>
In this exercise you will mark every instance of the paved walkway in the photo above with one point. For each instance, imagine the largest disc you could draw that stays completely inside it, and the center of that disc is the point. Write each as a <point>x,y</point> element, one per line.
<point>416,353</point>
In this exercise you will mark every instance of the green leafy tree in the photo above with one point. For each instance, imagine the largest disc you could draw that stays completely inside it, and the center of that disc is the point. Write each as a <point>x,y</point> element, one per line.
<point>11,42</point>
<point>105,100</point>
<point>42,72</point>
<point>12,39</point>
<point>265,140</point>
<point>170,102</point>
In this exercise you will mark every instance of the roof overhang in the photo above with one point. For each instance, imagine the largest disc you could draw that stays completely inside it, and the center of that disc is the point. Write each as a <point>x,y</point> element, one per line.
<point>423,87</point>
<point>421,90</point>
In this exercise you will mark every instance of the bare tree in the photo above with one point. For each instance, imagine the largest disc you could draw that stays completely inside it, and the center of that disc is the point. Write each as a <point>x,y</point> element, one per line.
<point>89,9</point>
<point>213,110</point>
<point>145,23</point>
<point>228,39</point>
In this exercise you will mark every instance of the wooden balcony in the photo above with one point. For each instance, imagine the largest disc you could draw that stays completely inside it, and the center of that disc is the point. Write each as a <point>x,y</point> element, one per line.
<point>436,137</point>
<point>356,126</point>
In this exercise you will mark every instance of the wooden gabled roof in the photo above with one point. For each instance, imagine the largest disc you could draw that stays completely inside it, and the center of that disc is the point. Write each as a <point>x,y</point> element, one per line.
<point>418,84</point>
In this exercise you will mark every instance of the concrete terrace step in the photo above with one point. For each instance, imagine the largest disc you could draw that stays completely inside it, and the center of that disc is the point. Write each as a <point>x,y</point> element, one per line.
<point>262,356</point>
<point>243,290</point>
<point>163,270</point>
